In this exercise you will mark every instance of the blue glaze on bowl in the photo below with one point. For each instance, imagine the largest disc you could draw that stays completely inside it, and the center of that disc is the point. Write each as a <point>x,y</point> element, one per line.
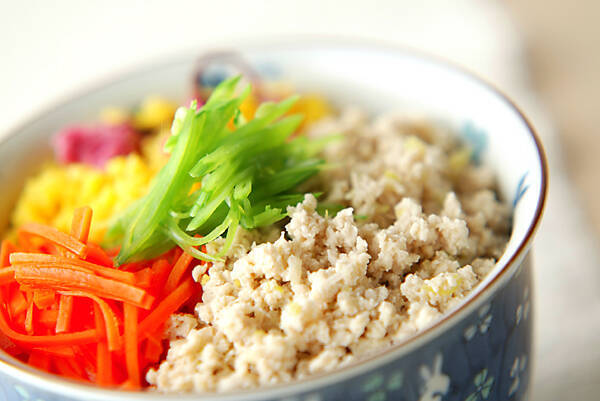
<point>479,352</point>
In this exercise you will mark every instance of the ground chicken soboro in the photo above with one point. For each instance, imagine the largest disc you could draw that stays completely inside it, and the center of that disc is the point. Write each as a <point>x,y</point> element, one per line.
<point>422,227</point>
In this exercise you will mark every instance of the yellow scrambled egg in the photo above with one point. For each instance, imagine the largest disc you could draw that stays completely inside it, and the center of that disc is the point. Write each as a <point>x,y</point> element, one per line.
<point>52,196</point>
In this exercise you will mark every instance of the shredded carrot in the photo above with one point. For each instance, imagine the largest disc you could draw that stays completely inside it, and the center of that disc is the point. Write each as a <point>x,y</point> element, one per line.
<point>143,278</point>
<point>6,249</point>
<point>110,321</point>
<point>26,289</point>
<point>73,338</point>
<point>80,228</point>
<point>72,280</point>
<point>65,308</point>
<point>48,317</point>
<point>25,242</point>
<point>131,344</point>
<point>9,346</point>
<point>98,256</point>
<point>7,275</point>
<point>153,349</point>
<point>29,318</point>
<point>39,359</point>
<point>82,221</point>
<point>41,259</point>
<point>86,355</point>
<point>128,385</point>
<point>133,266</point>
<point>77,366</point>
<point>166,307</point>
<point>160,272</point>
<point>66,369</point>
<point>67,352</point>
<point>18,304</point>
<point>43,298</point>
<point>104,376</point>
<point>99,320</point>
<point>56,237</point>
<point>177,271</point>
<point>175,255</point>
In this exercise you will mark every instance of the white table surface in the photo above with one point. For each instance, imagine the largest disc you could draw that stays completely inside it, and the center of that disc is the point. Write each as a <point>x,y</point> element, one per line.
<point>50,49</point>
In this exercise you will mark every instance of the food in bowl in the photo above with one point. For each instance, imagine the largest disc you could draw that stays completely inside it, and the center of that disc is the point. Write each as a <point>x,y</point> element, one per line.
<point>297,286</point>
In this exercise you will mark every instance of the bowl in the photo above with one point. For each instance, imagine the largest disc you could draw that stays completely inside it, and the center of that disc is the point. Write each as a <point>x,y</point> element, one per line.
<point>480,350</point>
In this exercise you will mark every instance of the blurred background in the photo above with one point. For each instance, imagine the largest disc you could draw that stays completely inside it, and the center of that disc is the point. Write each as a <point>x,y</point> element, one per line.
<point>543,53</point>
<point>561,53</point>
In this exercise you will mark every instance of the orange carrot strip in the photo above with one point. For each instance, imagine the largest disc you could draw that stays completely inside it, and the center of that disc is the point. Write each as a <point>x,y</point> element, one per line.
<point>166,308</point>
<point>39,360</point>
<point>65,310</point>
<point>111,325</point>
<point>177,272</point>
<point>17,304</point>
<point>153,348</point>
<point>160,271</point>
<point>8,345</point>
<point>133,266</point>
<point>117,308</point>
<point>19,320</point>
<point>77,367</point>
<point>104,375</point>
<point>128,385</point>
<point>98,255</point>
<point>99,320</point>
<point>48,317</point>
<point>7,275</point>
<point>56,236</point>
<point>6,249</point>
<point>80,337</point>
<point>143,278</point>
<point>43,298</point>
<point>40,259</point>
<point>25,242</point>
<point>29,318</point>
<point>63,351</point>
<point>72,280</point>
<point>63,368</point>
<point>66,369</point>
<point>82,221</point>
<point>80,229</point>
<point>86,356</point>
<point>177,251</point>
<point>132,359</point>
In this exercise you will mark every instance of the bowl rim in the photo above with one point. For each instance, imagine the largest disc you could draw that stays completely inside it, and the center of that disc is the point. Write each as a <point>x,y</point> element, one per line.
<point>24,372</point>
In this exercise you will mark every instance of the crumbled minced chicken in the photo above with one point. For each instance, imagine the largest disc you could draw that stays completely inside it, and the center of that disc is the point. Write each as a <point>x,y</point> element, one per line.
<point>422,227</point>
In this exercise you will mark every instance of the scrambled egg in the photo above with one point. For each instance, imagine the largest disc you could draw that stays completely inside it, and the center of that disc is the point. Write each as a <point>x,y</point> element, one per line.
<point>52,196</point>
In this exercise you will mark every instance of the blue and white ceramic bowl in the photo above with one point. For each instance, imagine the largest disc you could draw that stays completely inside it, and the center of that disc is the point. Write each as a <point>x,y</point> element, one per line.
<point>480,351</point>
